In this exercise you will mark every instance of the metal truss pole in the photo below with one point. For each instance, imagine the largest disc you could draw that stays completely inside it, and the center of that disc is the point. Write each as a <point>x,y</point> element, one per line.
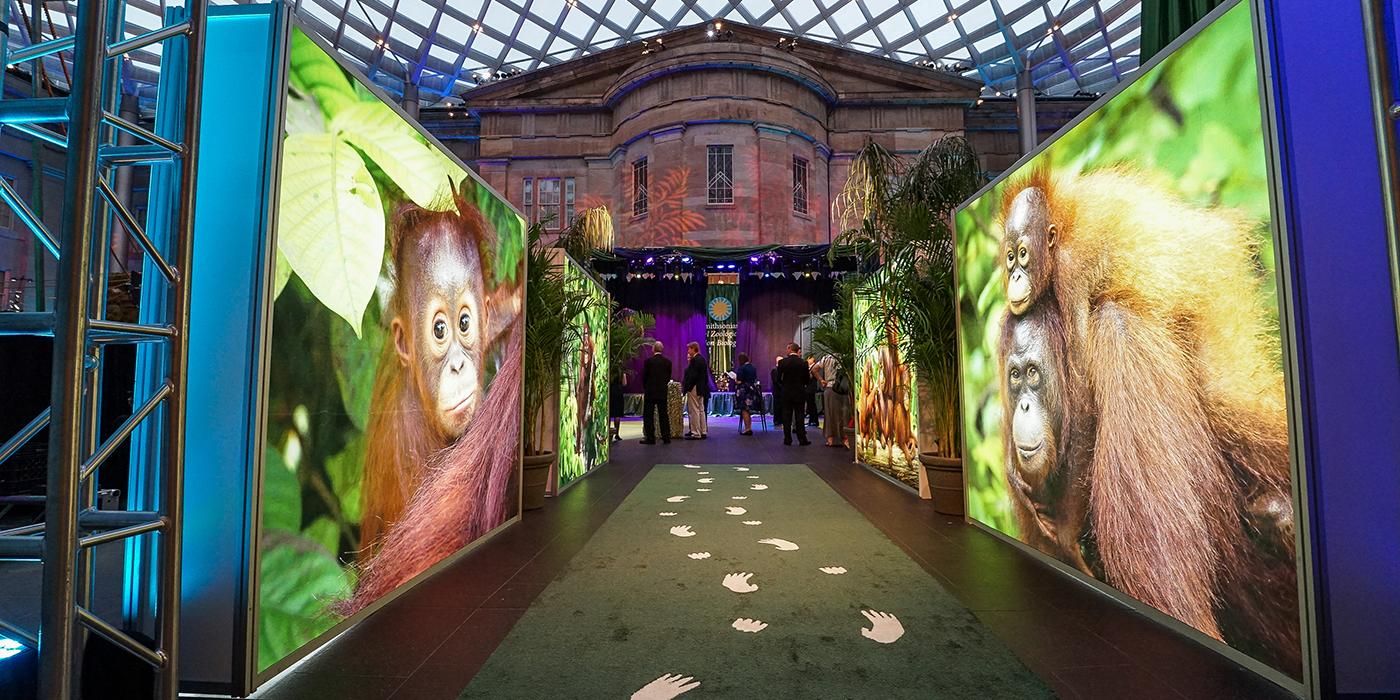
<point>97,136</point>
<point>173,475</point>
<point>58,622</point>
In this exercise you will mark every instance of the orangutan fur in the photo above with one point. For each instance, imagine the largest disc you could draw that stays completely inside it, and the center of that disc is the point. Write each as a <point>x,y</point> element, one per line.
<point>1170,349</point>
<point>466,490</point>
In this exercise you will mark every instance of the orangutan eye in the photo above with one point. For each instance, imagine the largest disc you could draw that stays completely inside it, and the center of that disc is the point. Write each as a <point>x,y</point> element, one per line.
<point>1015,375</point>
<point>1033,376</point>
<point>464,322</point>
<point>440,329</point>
<point>1010,259</point>
<point>1024,256</point>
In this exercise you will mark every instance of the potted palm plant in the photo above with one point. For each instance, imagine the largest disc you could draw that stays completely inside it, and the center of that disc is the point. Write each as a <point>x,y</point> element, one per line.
<point>900,223</point>
<point>552,307</point>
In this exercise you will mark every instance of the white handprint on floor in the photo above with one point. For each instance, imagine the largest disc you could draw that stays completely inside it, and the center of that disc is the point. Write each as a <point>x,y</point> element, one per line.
<point>706,480</point>
<point>884,627</point>
<point>753,522</point>
<point>666,687</point>
<point>782,545</point>
<point>739,498</point>
<point>666,514</point>
<point>759,487</point>
<point>741,469</point>
<point>676,499</point>
<point>699,555</point>
<point>739,583</point>
<point>703,490</point>
<point>692,466</point>
<point>682,531</point>
<point>833,570</point>
<point>702,473</point>
<point>752,476</point>
<point>745,624</point>
<point>734,510</point>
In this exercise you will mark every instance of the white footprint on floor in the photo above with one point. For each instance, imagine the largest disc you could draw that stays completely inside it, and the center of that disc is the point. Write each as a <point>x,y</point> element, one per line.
<point>884,627</point>
<point>666,514</point>
<point>734,510</point>
<point>782,545</point>
<point>759,487</point>
<point>706,480</point>
<point>692,466</point>
<point>739,583</point>
<point>741,469</point>
<point>676,499</point>
<point>745,624</point>
<point>753,522</point>
<point>739,498</point>
<point>753,476</point>
<point>699,555</point>
<point>833,570</point>
<point>666,687</point>
<point>682,531</point>
<point>703,490</point>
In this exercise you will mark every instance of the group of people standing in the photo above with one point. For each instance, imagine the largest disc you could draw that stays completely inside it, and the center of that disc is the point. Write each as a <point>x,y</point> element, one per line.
<point>795,384</point>
<point>695,386</point>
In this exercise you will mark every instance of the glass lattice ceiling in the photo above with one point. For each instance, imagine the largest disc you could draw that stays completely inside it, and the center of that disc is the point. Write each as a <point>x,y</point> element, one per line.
<point>1073,45</point>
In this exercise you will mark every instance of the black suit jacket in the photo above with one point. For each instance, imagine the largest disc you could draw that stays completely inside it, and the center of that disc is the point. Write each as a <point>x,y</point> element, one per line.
<point>656,375</point>
<point>697,376</point>
<point>793,377</point>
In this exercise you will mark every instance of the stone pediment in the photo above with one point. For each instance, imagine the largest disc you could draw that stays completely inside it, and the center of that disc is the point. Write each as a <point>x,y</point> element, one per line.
<point>837,74</point>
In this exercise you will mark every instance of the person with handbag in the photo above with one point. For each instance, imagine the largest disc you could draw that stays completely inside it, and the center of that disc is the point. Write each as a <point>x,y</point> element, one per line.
<point>836,389</point>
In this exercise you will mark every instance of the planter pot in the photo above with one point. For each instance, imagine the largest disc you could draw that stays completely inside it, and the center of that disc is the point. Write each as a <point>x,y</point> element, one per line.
<point>534,479</point>
<point>945,476</point>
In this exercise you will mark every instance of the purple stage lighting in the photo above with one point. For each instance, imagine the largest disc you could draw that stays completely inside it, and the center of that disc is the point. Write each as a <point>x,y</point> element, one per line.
<point>651,260</point>
<point>686,259</point>
<point>753,258</point>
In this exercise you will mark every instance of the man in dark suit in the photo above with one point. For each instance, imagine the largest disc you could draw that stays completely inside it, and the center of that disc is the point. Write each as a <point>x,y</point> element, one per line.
<point>656,377</point>
<point>793,376</point>
<point>776,385</point>
<point>695,386</point>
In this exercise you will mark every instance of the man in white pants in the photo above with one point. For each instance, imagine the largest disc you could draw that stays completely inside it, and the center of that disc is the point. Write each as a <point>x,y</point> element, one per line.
<point>695,384</point>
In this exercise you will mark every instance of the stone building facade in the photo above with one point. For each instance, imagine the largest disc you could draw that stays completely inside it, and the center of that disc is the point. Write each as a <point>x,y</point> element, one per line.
<point>731,140</point>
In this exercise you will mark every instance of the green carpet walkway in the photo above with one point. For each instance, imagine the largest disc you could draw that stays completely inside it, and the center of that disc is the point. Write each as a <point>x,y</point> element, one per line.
<point>756,582</point>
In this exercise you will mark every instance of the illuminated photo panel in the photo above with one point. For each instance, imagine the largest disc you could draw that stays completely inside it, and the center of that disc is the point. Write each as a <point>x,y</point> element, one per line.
<point>886,401</point>
<point>1123,375</point>
<point>583,384</point>
<point>392,415</point>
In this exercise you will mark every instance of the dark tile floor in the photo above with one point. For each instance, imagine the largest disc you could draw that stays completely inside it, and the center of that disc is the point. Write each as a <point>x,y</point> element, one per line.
<point>430,642</point>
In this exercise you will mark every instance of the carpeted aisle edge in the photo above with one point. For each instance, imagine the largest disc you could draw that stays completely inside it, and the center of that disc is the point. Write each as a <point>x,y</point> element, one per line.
<point>756,582</point>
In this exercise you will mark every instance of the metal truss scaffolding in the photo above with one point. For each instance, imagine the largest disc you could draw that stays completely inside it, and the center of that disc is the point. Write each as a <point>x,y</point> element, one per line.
<point>100,141</point>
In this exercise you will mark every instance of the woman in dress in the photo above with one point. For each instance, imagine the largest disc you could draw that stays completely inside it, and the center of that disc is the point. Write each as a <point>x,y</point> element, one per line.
<point>747,397</point>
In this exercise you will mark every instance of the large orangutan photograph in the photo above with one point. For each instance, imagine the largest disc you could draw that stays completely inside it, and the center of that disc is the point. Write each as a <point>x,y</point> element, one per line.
<point>1123,373</point>
<point>583,384</point>
<point>886,402</point>
<point>393,417</point>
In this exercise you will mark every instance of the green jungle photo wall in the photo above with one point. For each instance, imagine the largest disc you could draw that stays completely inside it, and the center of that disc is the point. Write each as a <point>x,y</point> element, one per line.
<point>886,403</point>
<point>1125,412</point>
<point>583,385</point>
<point>398,290</point>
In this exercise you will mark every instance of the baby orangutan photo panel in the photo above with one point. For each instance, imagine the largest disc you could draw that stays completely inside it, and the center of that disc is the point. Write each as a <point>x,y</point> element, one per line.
<point>1123,378</point>
<point>393,408</point>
